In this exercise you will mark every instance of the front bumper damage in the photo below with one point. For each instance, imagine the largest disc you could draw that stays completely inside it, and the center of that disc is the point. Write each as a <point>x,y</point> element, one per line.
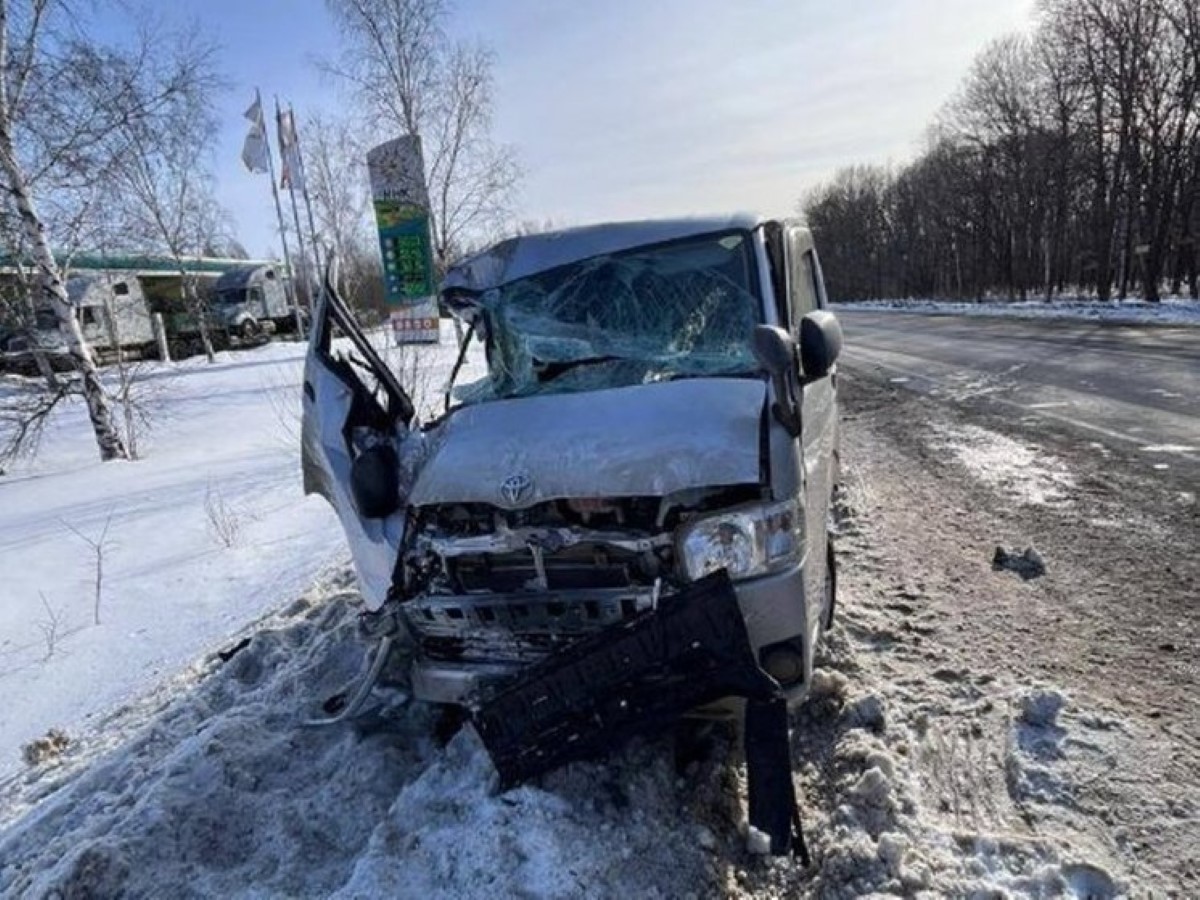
<point>639,677</point>
<point>540,607</point>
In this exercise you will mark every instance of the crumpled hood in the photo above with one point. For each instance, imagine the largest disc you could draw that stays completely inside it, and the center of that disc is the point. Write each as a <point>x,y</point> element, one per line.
<point>644,440</point>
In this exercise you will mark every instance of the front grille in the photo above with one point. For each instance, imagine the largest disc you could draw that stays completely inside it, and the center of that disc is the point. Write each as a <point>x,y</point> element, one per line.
<point>517,627</point>
<point>571,568</point>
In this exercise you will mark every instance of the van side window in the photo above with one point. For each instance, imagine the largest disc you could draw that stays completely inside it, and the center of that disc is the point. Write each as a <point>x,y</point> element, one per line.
<point>818,280</point>
<point>802,295</point>
<point>777,257</point>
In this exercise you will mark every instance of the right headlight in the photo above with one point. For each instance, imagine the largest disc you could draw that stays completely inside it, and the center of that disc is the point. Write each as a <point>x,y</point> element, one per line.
<point>746,542</point>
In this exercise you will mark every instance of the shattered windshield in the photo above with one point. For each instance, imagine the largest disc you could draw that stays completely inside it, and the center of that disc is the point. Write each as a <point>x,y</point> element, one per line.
<point>686,308</point>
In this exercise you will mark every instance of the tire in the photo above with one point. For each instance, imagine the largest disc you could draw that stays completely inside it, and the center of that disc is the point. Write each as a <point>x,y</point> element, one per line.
<point>249,330</point>
<point>830,599</point>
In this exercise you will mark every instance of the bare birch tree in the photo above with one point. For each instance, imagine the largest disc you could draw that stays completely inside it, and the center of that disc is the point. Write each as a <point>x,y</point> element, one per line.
<point>412,77</point>
<point>64,99</point>
<point>21,57</point>
<point>163,182</point>
<point>335,163</point>
<point>336,167</point>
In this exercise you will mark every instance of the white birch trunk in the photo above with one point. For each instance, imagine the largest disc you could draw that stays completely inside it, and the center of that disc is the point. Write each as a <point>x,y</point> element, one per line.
<point>195,305</point>
<point>108,438</point>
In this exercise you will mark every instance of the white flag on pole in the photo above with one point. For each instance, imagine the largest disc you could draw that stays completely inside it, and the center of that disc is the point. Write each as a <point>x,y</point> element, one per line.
<point>255,150</point>
<point>292,170</point>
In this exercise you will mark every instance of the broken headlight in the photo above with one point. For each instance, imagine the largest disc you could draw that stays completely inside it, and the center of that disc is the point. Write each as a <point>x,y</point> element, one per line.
<point>750,541</point>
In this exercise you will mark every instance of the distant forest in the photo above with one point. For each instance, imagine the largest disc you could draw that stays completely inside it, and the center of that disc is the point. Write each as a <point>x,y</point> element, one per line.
<point>1068,163</point>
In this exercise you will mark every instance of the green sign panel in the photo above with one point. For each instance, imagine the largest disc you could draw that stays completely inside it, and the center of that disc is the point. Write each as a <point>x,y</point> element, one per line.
<point>407,254</point>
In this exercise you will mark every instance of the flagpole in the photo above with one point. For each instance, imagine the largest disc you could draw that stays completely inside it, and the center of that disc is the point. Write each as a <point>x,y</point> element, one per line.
<point>292,194</point>
<point>287,257</point>
<point>312,228</point>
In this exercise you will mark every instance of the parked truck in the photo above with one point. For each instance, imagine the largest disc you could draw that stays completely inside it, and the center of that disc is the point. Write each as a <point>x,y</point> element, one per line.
<point>250,302</point>
<point>243,305</point>
<point>113,314</point>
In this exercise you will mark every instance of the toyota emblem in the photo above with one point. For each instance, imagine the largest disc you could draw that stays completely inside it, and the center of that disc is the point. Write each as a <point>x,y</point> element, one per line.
<point>514,488</point>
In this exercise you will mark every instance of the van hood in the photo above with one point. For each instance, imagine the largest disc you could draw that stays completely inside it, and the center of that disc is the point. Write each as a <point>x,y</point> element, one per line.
<point>644,440</point>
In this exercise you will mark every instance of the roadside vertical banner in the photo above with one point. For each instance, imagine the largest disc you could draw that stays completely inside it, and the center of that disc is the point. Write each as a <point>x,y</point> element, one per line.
<point>397,173</point>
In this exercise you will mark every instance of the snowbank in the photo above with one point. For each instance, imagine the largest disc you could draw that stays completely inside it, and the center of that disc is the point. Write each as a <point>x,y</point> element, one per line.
<point>212,784</point>
<point>207,532</point>
<point>1173,310</point>
<point>214,787</point>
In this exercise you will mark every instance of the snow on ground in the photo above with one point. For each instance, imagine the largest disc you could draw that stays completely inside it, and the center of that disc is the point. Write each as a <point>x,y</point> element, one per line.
<point>214,788</point>
<point>1172,310</point>
<point>212,785</point>
<point>937,781</point>
<point>209,530</point>
<point>1019,471</point>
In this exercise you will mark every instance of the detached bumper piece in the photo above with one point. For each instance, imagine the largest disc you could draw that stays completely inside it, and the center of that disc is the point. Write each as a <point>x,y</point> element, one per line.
<point>772,793</point>
<point>639,677</point>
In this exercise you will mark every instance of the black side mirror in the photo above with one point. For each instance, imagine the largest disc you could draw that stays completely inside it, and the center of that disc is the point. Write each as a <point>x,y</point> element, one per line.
<point>375,481</point>
<point>773,348</point>
<point>775,351</point>
<point>820,343</point>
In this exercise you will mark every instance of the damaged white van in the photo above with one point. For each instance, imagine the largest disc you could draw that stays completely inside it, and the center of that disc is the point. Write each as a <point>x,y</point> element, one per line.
<point>628,518</point>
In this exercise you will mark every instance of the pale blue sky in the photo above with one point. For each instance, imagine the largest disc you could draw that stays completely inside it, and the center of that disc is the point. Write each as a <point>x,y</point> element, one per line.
<point>636,108</point>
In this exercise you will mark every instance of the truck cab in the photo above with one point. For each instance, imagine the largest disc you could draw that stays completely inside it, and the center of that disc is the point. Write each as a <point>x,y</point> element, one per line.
<point>251,301</point>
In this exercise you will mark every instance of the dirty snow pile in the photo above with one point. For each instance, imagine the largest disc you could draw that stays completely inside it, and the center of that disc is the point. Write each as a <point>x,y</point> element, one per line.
<point>915,791</point>
<point>213,786</point>
<point>1171,310</point>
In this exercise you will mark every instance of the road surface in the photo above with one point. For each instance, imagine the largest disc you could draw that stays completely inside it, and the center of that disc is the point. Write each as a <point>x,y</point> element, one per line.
<point>1134,385</point>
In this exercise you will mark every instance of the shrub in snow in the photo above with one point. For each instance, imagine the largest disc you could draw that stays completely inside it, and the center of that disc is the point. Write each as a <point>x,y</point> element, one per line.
<point>224,522</point>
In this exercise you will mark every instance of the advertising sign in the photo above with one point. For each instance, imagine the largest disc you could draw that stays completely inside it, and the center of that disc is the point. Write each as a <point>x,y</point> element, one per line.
<point>401,202</point>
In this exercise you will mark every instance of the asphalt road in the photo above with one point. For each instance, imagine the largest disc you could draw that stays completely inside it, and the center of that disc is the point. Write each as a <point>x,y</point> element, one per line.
<point>1130,384</point>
